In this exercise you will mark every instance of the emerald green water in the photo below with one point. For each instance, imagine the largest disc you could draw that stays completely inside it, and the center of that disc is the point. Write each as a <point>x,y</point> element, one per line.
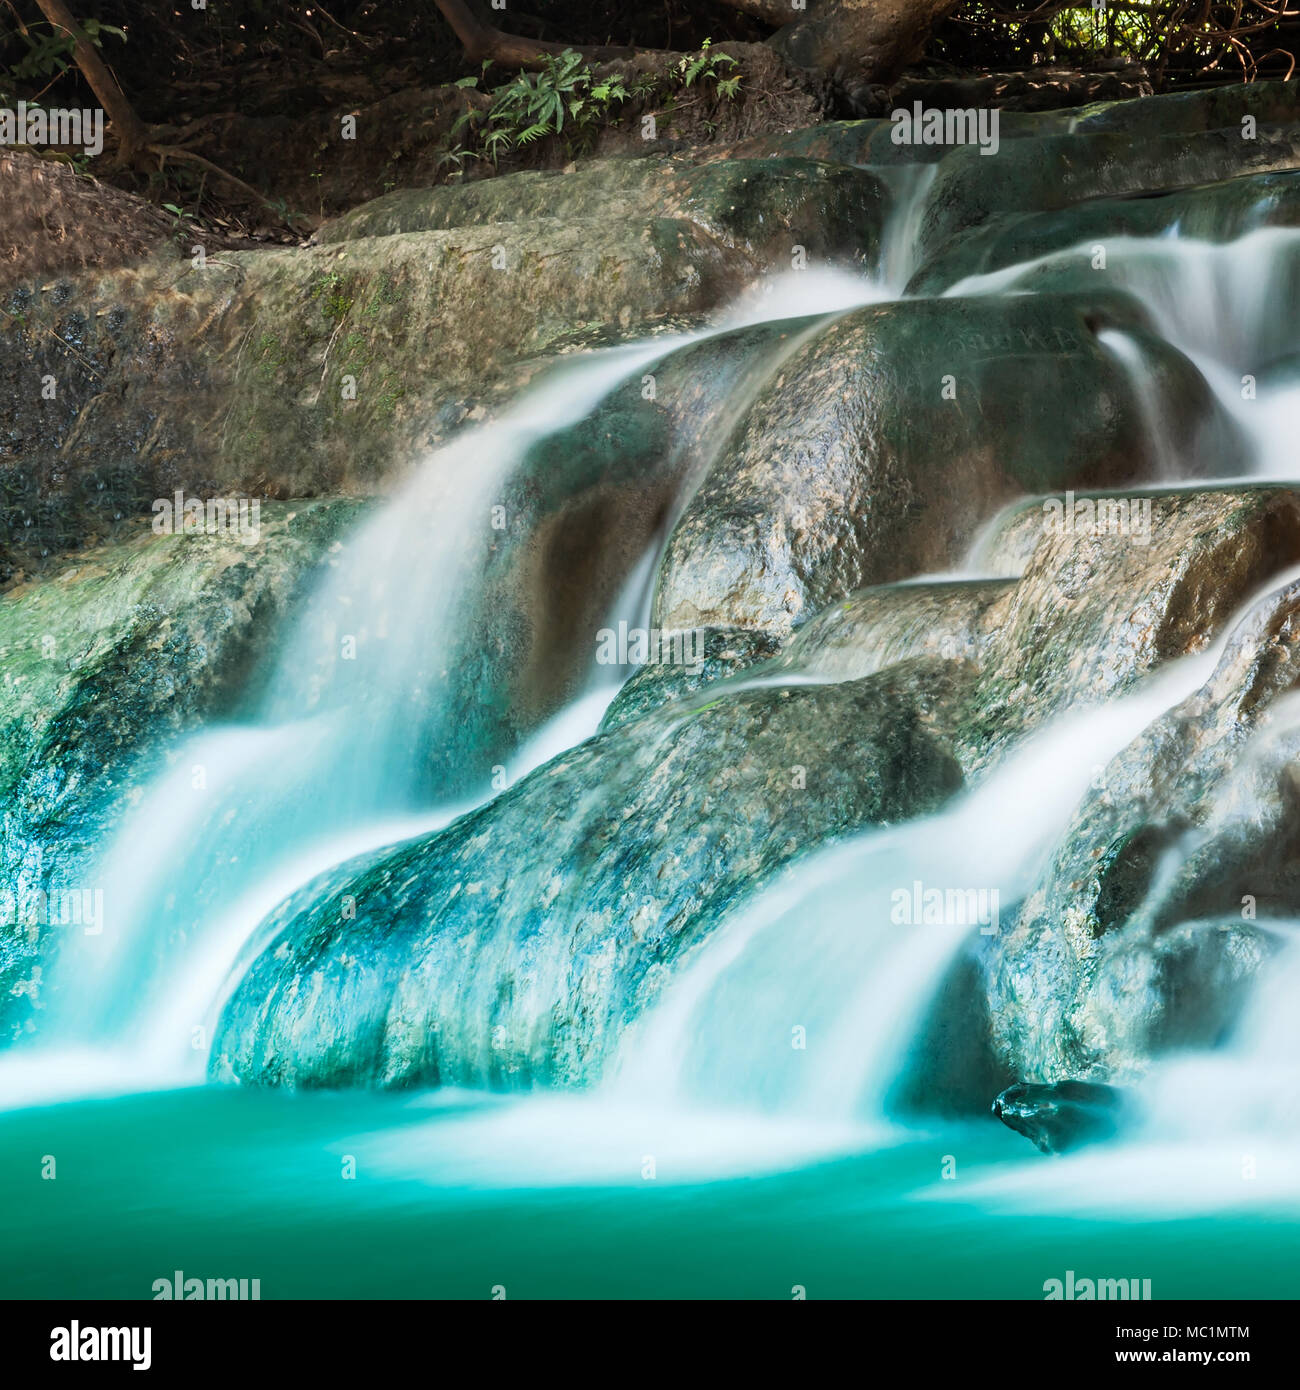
<point>232,1184</point>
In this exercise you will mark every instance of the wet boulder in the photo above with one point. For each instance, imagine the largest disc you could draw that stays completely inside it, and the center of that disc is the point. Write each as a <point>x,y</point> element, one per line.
<point>1061,1117</point>
<point>1218,212</point>
<point>721,654</point>
<point>1151,917</point>
<point>881,447</point>
<point>468,958</point>
<point>1112,586</point>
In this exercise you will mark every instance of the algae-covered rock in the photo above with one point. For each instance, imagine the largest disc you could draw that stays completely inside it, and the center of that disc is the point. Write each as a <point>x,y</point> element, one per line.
<point>288,373</point>
<point>1059,170</point>
<point>878,627</point>
<point>763,207</point>
<point>1113,587</point>
<point>105,667</point>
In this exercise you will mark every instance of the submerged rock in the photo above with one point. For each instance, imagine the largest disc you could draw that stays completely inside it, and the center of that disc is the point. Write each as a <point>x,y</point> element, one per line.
<point>1062,1117</point>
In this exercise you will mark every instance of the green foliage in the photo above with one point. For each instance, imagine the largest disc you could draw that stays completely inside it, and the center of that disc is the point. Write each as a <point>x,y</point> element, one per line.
<point>332,292</point>
<point>566,99</point>
<point>48,54</point>
<point>1164,36</point>
<point>564,95</point>
<point>706,63</point>
<point>1083,30</point>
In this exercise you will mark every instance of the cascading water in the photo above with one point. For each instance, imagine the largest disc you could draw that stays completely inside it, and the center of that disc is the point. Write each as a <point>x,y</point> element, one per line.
<point>908,185</point>
<point>1228,307</point>
<point>361,663</point>
<point>352,742</point>
<point>810,998</point>
<point>778,1043</point>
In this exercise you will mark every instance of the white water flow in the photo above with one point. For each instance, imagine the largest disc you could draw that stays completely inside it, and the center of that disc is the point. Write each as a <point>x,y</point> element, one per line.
<point>345,755</point>
<point>809,1000</point>
<point>1251,1086</point>
<point>1155,424</point>
<point>1230,307</point>
<point>908,186</point>
<point>1211,1131</point>
<point>341,743</point>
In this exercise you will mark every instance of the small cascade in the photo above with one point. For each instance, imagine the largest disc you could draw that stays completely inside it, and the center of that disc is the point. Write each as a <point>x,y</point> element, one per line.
<point>1251,1087</point>
<point>810,998</point>
<point>348,752</point>
<point>1229,307</point>
<point>358,693</point>
<point>908,186</point>
<point>1155,426</point>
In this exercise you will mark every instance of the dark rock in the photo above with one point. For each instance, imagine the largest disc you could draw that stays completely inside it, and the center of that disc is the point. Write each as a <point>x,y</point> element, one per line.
<point>858,465</point>
<point>1063,1116</point>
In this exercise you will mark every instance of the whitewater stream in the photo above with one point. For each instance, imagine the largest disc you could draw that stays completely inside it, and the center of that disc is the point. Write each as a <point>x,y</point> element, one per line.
<point>747,1138</point>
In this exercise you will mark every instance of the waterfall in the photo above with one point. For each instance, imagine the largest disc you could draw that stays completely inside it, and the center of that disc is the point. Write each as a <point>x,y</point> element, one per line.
<point>808,1000</point>
<point>1151,410</point>
<point>1249,1089</point>
<point>349,750</point>
<point>344,733</point>
<point>909,186</point>
<point>1229,307</point>
<point>1211,1131</point>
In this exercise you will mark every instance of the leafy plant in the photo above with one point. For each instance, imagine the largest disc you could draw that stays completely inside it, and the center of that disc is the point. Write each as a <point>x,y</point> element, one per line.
<point>707,63</point>
<point>567,99</point>
<point>49,54</point>
<point>564,96</point>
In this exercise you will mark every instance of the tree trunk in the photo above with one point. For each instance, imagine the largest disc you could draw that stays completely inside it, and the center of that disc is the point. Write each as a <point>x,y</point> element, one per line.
<point>132,134</point>
<point>872,39</point>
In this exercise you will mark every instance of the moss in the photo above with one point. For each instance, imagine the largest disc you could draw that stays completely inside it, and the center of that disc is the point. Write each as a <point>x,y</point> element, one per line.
<point>332,291</point>
<point>271,355</point>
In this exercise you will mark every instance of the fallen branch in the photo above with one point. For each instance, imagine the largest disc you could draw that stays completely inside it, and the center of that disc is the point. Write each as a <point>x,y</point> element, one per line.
<point>482,43</point>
